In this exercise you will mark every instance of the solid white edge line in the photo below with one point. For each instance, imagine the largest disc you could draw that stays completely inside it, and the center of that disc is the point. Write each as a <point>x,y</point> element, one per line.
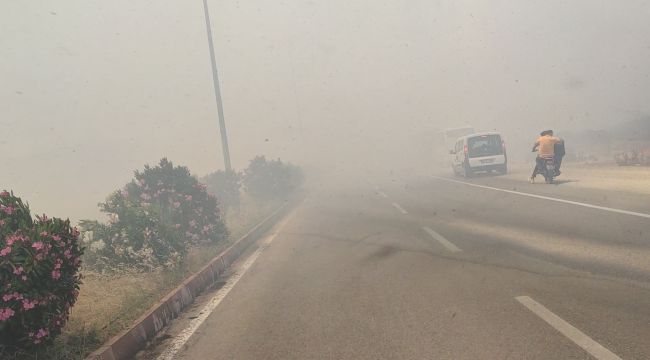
<point>441,239</point>
<point>181,339</point>
<point>400,209</point>
<point>578,337</point>
<point>591,206</point>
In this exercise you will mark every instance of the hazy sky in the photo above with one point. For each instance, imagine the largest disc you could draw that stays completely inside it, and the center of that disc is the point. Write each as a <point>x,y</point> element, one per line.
<point>91,90</point>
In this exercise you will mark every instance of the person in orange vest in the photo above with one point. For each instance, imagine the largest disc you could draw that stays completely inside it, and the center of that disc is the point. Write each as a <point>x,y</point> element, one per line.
<point>545,148</point>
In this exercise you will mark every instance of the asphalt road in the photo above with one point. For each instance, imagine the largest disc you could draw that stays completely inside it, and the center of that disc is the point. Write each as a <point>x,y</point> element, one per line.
<point>429,268</point>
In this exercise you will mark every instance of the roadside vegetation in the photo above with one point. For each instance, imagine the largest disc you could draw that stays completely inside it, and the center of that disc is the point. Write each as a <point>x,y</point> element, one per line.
<point>162,226</point>
<point>39,270</point>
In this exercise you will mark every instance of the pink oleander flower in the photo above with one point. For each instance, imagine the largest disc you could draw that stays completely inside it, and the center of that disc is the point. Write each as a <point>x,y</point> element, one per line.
<point>29,304</point>
<point>44,233</point>
<point>56,274</point>
<point>19,270</point>
<point>24,277</point>
<point>6,251</point>
<point>41,333</point>
<point>14,238</point>
<point>11,239</point>
<point>7,209</point>
<point>7,297</point>
<point>38,245</point>
<point>56,238</point>
<point>124,193</point>
<point>67,254</point>
<point>188,198</point>
<point>177,204</point>
<point>4,194</point>
<point>6,314</point>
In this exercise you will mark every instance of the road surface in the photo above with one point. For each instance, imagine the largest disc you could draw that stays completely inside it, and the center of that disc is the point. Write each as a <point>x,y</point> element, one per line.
<point>440,268</point>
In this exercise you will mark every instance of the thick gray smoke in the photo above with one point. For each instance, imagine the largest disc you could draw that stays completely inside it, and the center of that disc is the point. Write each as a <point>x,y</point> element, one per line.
<point>92,90</point>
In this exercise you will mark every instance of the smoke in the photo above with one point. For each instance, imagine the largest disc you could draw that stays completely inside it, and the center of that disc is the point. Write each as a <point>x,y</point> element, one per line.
<point>93,90</point>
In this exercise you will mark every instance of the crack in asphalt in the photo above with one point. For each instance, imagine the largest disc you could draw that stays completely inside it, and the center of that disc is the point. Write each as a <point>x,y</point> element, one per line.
<point>385,251</point>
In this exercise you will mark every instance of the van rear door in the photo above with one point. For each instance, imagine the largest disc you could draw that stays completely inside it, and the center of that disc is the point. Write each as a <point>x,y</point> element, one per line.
<point>484,145</point>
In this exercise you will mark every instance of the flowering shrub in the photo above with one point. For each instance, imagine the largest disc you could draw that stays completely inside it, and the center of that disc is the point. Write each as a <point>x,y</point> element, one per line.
<point>39,264</point>
<point>153,219</point>
<point>271,179</point>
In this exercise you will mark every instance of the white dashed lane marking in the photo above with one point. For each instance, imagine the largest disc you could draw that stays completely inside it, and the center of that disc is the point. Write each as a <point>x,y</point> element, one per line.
<point>578,337</point>
<point>400,209</point>
<point>380,192</point>
<point>441,239</point>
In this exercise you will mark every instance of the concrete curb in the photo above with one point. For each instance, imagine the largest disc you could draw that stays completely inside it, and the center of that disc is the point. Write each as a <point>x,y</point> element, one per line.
<point>127,344</point>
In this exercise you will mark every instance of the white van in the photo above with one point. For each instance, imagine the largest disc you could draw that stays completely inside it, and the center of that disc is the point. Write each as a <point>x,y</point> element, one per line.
<point>479,152</point>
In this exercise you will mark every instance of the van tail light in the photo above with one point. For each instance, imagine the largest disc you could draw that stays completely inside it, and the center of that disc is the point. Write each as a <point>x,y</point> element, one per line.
<point>465,150</point>
<point>503,145</point>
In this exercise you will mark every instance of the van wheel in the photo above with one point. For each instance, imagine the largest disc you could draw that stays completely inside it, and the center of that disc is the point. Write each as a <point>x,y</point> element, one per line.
<point>503,170</point>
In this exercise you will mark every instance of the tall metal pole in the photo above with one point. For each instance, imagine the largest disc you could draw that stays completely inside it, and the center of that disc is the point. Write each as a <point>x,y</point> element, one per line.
<point>217,92</point>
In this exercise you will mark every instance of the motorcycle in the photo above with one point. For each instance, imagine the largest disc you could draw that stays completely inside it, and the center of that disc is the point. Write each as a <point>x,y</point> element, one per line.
<point>549,171</point>
<point>545,167</point>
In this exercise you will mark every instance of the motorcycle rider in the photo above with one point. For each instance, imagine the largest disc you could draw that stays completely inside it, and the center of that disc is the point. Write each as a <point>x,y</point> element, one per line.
<point>545,148</point>
<point>560,151</point>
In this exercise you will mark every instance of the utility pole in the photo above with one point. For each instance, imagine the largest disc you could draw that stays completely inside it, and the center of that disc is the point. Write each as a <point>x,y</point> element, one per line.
<point>217,92</point>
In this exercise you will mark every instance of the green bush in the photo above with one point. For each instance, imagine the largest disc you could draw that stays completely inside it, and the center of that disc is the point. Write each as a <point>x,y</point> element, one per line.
<point>225,185</point>
<point>273,179</point>
<point>153,220</point>
<point>39,273</point>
